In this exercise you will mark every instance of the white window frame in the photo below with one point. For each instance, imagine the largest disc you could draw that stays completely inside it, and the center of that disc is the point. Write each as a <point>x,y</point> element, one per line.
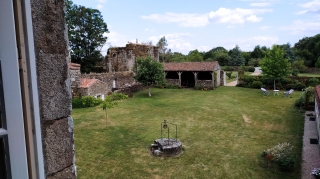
<point>12,90</point>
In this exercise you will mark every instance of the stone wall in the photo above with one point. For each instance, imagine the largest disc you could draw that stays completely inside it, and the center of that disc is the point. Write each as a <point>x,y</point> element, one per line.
<point>173,82</point>
<point>222,78</point>
<point>120,59</point>
<point>52,58</point>
<point>98,88</point>
<point>121,78</point>
<point>204,83</point>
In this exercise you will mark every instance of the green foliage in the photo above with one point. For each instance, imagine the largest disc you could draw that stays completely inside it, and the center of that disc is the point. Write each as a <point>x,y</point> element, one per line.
<point>194,56</point>
<point>258,52</point>
<point>306,100</point>
<point>150,72</point>
<point>228,74</point>
<point>236,57</point>
<point>178,57</point>
<point>251,69</point>
<point>85,102</point>
<point>111,100</point>
<point>295,72</point>
<point>282,155</point>
<point>86,30</point>
<point>274,65</point>
<point>313,82</point>
<point>299,64</point>
<point>256,84</point>
<point>162,44</point>
<point>317,65</point>
<point>254,62</point>
<point>308,48</point>
<point>228,68</point>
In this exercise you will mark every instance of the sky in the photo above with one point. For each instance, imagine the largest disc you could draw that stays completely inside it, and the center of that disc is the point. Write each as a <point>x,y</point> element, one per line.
<point>205,24</point>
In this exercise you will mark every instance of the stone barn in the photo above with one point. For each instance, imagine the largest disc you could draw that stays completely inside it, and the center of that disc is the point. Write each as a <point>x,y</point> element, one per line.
<point>192,74</point>
<point>120,59</point>
<point>93,87</point>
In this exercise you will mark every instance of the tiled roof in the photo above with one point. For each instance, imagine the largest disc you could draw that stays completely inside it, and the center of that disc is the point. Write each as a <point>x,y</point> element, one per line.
<point>190,66</point>
<point>86,82</point>
<point>74,66</point>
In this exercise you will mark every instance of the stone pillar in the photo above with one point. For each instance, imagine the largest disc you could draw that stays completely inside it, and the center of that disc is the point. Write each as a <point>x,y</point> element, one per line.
<point>179,73</point>
<point>218,77</point>
<point>52,58</point>
<point>212,73</point>
<point>195,77</point>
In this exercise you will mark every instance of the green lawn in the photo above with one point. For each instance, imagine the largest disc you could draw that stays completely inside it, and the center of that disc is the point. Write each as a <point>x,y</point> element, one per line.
<point>309,75</point>
<point>223,133</point>
<point>234,75</point>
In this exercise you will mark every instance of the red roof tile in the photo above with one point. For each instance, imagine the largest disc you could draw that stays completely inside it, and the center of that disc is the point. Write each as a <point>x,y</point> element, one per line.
<point>74,66</point>
<point>190,66</point>
<point>86,82</point>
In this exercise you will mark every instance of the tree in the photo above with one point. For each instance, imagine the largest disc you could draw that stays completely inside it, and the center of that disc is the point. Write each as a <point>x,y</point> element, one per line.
<point>299,65</point>
<point>178,57</point>
<point>162,44</point>
<point>236,57</point>
<point>86,30</point>
<point>274,65</point>
<point>111,101</point>
<point>317,65</point>
<point>222,57</point>
<point>194,56</point>
<point>149,72</point>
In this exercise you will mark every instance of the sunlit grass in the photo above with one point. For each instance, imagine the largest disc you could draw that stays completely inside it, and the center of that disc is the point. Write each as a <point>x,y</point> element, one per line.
<point>223,133</point>
<point>309,75</point>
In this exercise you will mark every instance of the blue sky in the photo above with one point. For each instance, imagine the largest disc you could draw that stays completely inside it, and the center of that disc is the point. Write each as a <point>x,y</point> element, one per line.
<point>205,24</point>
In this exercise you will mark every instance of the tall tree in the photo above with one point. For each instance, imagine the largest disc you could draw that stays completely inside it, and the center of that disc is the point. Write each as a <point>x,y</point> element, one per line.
<point>162,44</point>
<point>194,56</point>
<point>149,72</point>
<point>86,30</point>
<point>308,48</point>
<point>236,57</point>
<point>274,65</point>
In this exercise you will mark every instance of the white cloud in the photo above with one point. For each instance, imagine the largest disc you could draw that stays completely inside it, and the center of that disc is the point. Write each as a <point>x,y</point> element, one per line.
<point>237,16</point>
<point>222,15</point>
<point>312,7</point>
<point>102,1</point>
<point>247,44</point>
<point>301,26</point>
<point>301,12</point>
<point>260,4</point>
<point>264,27</point>
<point>183,19</point>
<point>149,30</point>
<point>175,41</point>
<point>99,6</point>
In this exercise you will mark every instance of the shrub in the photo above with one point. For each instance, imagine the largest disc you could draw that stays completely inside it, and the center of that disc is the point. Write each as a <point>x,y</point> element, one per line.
<point>295,72</point>
<point>228,68</point>
<point>256,84</point>
<point>282,155</point>
<point>249,79</point>
<point>86,101</point>
<point>313,82</point>
<point>300,102</point>
<point>251,69</point>
<point>228,74</point>
<point>299,86</point>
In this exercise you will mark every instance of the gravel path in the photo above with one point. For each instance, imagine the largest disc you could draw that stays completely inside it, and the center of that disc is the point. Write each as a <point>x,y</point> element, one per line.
<point>310,152</point>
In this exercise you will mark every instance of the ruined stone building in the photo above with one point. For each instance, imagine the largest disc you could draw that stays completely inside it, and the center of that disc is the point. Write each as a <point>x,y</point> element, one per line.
<point>121,59</point>
<point>36,129</point>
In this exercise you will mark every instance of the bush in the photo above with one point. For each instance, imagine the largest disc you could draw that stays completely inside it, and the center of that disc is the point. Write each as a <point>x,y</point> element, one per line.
<point>299,103</point>
<point>295,72</point>
<point>256,84</point>
<point>282,155</point>
<point>313,82</point>
<point>228,74</point>
<point>251,69</point>
<point>249,79</point>
<point>228,68</point>
<point>299,86</point>
<point>86,101</point>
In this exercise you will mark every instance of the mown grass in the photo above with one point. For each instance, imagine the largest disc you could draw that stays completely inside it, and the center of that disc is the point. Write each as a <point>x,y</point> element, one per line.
<point>223,133</point>
<point>309,75</point>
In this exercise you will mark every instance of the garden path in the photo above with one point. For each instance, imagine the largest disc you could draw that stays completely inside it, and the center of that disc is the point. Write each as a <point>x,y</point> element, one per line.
<point>255,73</point>
<point>310,152</point>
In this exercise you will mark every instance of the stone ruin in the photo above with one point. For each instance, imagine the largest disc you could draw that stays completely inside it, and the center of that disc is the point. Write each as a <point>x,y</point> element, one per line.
<point>121,59</point>
<point>166,147</point>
